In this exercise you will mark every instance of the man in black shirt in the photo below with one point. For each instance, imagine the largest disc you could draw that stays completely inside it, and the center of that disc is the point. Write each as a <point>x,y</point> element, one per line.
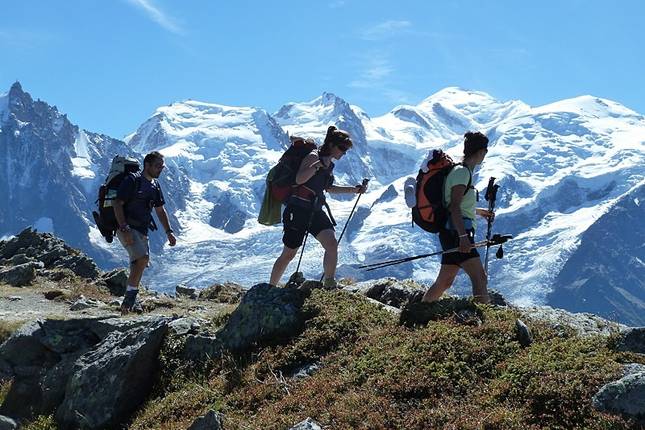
<point>137,195</point>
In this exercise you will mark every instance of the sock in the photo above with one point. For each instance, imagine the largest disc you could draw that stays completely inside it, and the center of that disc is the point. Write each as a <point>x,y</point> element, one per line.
<point>131,288</point>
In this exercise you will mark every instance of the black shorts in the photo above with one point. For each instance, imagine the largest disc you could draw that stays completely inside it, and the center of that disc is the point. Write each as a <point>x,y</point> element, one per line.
<point>450,239</point>
<point>295,220</point>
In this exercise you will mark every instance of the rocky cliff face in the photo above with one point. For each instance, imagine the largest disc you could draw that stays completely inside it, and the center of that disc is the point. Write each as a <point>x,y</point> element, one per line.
<point>605,275</point>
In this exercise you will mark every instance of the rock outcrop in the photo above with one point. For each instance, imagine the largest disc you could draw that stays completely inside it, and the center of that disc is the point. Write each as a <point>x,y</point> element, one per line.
<point>102,367</point>
<point>30,247</point>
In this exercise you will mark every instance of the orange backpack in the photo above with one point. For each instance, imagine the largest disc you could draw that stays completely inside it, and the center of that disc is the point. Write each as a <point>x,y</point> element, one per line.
<point>429,212</point>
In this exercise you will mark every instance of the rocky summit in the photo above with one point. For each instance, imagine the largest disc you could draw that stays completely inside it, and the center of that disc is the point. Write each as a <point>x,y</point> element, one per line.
<point>362,355</point>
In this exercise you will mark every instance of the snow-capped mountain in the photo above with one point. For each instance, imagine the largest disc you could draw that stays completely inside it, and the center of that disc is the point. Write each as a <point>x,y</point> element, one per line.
<point>561,168</point>
<point>51,171</point>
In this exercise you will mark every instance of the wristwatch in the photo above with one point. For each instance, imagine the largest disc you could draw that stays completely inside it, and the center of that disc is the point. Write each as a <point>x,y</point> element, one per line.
<point>124,228</point>
<point>170,230</point>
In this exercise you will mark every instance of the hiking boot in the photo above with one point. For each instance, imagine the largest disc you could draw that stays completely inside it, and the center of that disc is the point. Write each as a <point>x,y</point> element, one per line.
<point>416,297</point>
<point>130,303</point>
<point>330,284</point>
<point>295,280</point>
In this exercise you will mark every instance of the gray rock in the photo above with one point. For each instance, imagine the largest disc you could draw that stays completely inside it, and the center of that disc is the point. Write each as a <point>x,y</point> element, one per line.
<point>116,281</point>
<point>50,251</point>
<point>211,421</point>
<point>19,259</point>
<point>20,275</point>
<point>305,370</point>
<point>583,324</point>
<point>82,304</point>
<point>307,424</point>
<point>630,368</point>
<point>625,397</point>
<point>14,298</point>
<point>222,293</point>
<point>40,358</point>
<point>265,313</point>
<point>184,326</point>
<point>7,423</point>
<point>185,291</point>
<point>632,340</point>
<point>390,291</point>
<point>496,298</point>
<point>523,333</point>
<point>111,380</point>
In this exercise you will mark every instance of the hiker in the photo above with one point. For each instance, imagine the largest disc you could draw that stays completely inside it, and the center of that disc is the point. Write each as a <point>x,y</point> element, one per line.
<point>460,199</point>
<point>303,213</point>
<point>136,196</point>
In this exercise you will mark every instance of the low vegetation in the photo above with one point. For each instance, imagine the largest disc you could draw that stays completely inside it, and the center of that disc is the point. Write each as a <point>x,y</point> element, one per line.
<point>374,373</point>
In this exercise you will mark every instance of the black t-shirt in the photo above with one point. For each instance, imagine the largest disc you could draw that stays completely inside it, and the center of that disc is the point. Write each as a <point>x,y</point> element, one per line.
<point>140,196</point>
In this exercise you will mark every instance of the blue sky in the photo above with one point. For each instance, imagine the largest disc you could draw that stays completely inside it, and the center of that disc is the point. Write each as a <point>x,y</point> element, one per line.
<point>109,63</point>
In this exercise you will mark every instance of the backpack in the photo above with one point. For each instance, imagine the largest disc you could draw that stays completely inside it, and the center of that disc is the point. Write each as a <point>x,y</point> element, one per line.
<point>281,179</point>
<point>105,218</point>
<point>429,211</point>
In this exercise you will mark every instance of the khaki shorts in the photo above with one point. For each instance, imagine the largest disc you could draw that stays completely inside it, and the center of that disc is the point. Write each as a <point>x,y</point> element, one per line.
<point>139,248</point>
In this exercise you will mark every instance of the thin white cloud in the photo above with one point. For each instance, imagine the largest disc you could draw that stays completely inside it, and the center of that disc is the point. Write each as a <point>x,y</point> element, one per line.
<point>385,29</point>
<point>375,74</point>
<point>337,4</point>
<point>157,15</point>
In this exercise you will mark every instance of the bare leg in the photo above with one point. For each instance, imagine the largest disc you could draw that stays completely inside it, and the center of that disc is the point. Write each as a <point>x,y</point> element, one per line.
<point>444,280</point>
<point>281,264</point>
<point>475,270</point>
<point>327,239</point>
<point>136,271</point>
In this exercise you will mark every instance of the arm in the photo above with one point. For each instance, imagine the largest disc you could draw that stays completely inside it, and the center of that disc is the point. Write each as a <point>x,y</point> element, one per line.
<point>308,168</point>
<point>456,195</point>
<point>162,215</point>
<point>119,214</point>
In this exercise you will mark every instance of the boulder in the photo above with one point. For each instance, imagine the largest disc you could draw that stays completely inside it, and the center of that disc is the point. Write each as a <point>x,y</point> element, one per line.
<point>20,275</point>
<point>632,340</point>
<point>7,423</point>
<point>116,281</point>
<point>222,293</point>
<point>307,424</point>
<point>582,324</point>
<point>266,313</point>
<point>211,421</point>
<point>41,356</point>
<point>625,397</point>
<point>390,291</point>
<point>110,381</point>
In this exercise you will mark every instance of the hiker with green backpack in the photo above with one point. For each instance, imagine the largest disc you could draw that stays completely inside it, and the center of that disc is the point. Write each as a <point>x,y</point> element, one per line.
<point>458,231</point>
<point>305,187</point>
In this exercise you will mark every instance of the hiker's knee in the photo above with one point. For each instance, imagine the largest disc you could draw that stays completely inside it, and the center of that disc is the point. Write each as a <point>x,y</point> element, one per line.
<point>289,253</point>
<point>141,262</point>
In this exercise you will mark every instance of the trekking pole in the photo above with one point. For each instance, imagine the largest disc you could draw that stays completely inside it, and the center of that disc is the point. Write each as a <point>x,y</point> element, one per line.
<point>304,243</point>
<point>497,239</point>
<point>490,196</point>
<point>363,184</point>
